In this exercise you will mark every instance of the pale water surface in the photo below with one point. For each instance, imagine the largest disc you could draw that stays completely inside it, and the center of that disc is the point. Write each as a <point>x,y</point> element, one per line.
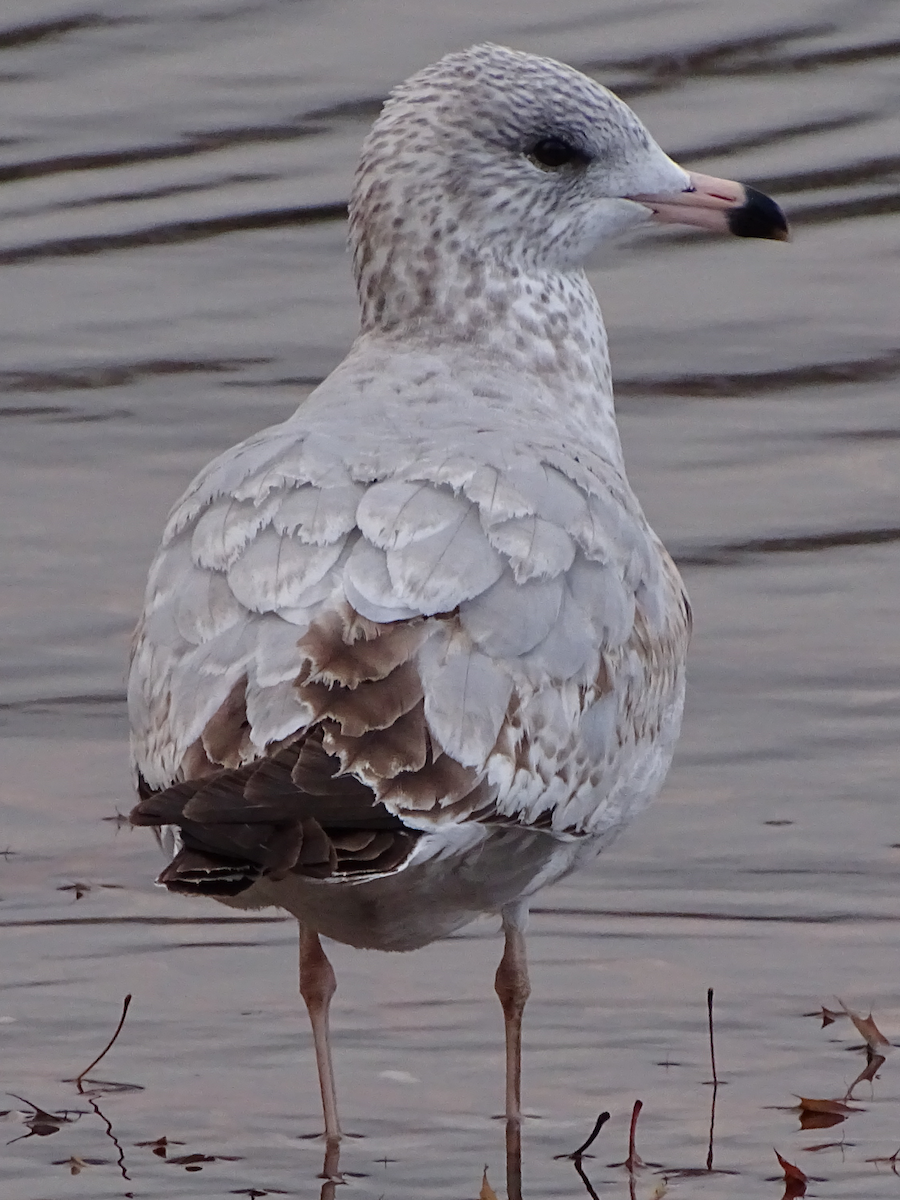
<point>174,176</point>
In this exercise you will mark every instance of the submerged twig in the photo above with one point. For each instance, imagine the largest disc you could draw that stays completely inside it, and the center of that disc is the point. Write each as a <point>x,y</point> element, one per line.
<point>584,1179</point>
<point>120,1161</point>
<point>712,1127</point>
<point>109,1045</point>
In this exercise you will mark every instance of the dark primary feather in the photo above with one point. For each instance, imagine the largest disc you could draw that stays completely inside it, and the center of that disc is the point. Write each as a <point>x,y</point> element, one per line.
<point>292,812</point>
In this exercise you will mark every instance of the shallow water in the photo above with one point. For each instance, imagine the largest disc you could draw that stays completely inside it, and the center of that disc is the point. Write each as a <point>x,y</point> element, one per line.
<point>173,178</point>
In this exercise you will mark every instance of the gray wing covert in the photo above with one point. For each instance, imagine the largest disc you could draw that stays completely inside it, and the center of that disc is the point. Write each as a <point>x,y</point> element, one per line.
<point>416,621</point>
<point>250,553</point>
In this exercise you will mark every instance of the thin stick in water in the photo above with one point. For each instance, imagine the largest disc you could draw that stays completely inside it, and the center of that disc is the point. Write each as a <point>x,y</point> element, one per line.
<point>592,1137</point>
<point>598,1125</point>
<point>109,1045</point>
<point>715,1081</point>
<point>712,1044</point>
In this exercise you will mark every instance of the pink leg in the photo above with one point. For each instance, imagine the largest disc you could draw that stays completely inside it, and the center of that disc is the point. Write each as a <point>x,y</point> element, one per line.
<point>513,989</point>
<point>317,986</point>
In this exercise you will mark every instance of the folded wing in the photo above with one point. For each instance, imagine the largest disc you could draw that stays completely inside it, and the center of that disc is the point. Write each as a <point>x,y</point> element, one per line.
<point>330,664</point>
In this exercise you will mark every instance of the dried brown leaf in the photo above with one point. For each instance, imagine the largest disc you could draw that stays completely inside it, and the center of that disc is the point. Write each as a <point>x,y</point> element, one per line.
<point>817,1120</point>
<point>160,1145</point>
<point>822,1114</point>
<point>76,1163</point>
<point>874,1063</point>
<point>868,1030</point>
<point>487,1192</point>
<point>795,1180</point>
<point>41,1123</point>
<point>832,1107</point>
<point>791,1172</point>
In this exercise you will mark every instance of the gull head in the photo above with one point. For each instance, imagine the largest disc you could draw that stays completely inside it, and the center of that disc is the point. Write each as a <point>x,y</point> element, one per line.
<point>494,161</point>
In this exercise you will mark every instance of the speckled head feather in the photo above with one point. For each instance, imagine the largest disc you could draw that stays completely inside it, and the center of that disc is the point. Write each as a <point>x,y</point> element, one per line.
<point>450,182</point>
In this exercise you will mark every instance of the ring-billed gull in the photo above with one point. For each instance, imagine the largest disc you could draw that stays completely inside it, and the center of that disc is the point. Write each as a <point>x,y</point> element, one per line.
<point>415,653</point>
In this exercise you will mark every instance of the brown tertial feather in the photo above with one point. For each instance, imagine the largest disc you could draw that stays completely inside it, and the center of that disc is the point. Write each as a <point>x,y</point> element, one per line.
<point>335,659</point>
<point>403,746</point>
<point>226,737</point>
<point>376,704</point>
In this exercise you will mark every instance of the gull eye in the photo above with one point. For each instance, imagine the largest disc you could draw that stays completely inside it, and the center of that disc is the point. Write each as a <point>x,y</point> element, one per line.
<point>554,152</point>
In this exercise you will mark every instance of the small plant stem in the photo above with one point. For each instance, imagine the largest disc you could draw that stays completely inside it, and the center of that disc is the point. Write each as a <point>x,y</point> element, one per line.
<point>712,1044</point>
<point>109,1045</point>
<point>633,1160</point>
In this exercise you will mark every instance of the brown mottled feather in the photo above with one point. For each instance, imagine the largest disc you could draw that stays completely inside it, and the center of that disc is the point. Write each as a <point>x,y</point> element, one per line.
<point>403,746</point>
<point>347,652</point>
<point>312,804</point>
<point>226,737</point>
<point>370,705</point>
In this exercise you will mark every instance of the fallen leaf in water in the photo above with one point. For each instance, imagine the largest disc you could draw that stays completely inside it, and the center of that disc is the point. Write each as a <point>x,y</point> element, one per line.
<point>791,1171</point>
<point>487,1192</point>
<point>822,1114</point>
<point>877,1046</point>
<point>816,1120</point>
<point>873,1065</point>
<point>866,1027</point>
<point>659,1191</point>
<point>196,1162</point>
<point>76,1163</point>
<point>825,1014</point>
<point>41,1123</point>
<point>255,1193</point>
<point>836,1107</point>
<point>795,1180</point>
<point>159,1145</point>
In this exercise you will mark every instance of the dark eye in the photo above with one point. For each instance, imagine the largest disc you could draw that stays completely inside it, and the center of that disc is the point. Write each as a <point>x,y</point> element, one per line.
<point>556,152</point>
